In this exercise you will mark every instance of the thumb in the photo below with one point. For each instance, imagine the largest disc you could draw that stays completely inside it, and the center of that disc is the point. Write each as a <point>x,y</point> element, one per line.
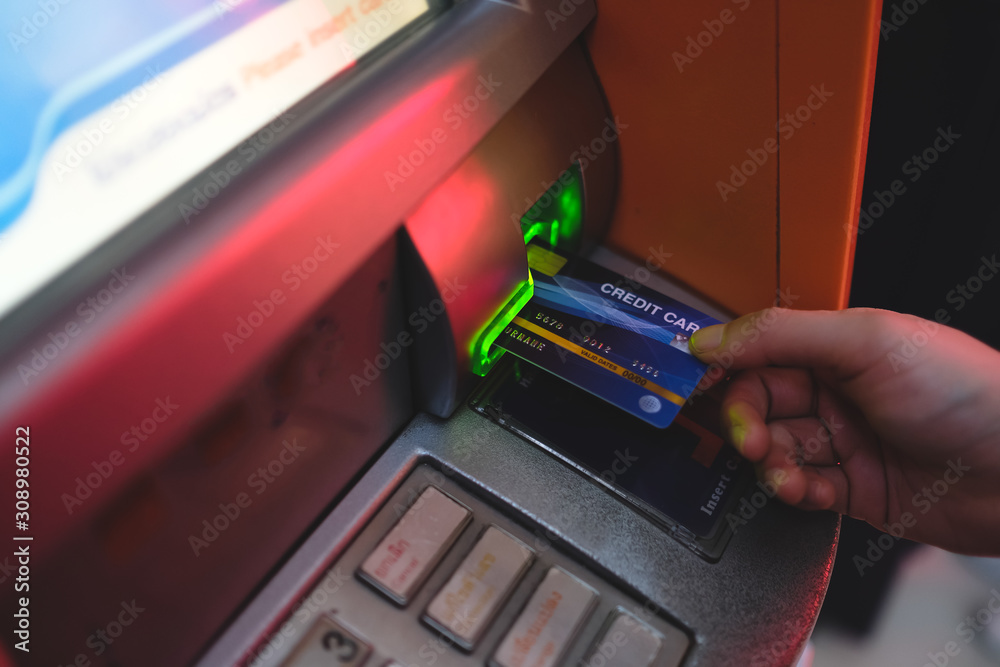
<point>844,341</point>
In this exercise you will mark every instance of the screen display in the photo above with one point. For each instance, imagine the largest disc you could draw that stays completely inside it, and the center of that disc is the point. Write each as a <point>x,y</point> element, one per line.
<point>110,105</point>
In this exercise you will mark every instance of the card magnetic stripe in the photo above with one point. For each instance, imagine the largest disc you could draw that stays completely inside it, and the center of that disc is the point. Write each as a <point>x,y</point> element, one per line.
<point>590,356</point>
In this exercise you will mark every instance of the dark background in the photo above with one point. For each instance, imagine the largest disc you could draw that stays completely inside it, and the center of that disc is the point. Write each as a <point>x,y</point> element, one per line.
<point>940,69</point>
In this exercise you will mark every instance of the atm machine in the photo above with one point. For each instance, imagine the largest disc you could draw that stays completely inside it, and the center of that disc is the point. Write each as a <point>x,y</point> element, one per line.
<point>255,256</point>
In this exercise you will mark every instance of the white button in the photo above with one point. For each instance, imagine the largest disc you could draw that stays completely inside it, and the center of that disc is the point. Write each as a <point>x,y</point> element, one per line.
<point>628,642</point>
<point>547,625</point>
<point>480,585</point>
<point>411,550</point>
<point>327,643</point>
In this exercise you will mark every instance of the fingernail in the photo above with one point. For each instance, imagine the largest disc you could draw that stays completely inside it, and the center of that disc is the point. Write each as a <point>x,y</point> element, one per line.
<point>707,339</point>
<point>737,429</point>
<point>738,434</point>
<point>818,492</point>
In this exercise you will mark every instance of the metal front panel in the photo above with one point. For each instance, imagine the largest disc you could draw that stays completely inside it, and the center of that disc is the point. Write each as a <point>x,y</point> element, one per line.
<point>755,606</point>
<point>188,540</point>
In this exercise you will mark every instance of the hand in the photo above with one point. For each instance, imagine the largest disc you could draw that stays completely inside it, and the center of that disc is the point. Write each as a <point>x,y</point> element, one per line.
<point>885,417</point>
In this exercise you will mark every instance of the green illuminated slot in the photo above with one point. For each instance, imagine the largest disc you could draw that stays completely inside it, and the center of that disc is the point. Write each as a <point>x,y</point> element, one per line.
<point>557,217</point>
<point>483,354</point>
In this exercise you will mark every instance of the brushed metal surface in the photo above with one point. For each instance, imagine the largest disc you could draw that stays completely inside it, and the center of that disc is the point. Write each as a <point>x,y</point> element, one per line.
<point>401,633</point>
<point>756,606</point>
<point>191,538</point>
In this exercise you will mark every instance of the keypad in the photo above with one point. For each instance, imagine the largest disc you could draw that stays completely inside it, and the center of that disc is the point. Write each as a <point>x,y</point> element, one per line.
<point>329,642</point>
<point>467,603</point>
<point>443,578</point>
<point>626,642</point>
<point>548,623</point>
<point>404,557</point>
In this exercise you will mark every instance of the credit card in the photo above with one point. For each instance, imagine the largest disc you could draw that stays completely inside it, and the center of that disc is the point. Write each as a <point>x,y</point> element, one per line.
<point>608,334</point>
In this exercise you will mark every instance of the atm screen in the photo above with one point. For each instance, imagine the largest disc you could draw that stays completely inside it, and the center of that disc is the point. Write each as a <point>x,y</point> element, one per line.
<point>109,106</point>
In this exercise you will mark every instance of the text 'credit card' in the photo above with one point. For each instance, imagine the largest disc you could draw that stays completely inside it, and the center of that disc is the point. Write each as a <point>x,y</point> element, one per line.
<point>617,339</point>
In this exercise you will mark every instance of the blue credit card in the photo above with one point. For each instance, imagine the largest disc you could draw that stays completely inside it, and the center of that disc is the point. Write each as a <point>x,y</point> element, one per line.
<point>607,334</point>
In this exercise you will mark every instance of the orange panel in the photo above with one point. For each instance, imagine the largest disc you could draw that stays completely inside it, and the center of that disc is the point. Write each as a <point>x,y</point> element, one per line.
<point>689,122</point>
<point>828,45</point>
<point>703,89</point>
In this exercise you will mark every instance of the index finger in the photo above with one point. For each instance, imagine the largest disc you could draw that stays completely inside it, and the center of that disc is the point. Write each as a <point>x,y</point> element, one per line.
<point>844,342</point>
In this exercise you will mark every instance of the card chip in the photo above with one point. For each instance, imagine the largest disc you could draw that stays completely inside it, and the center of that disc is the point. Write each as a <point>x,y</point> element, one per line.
<point>544,261</point>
